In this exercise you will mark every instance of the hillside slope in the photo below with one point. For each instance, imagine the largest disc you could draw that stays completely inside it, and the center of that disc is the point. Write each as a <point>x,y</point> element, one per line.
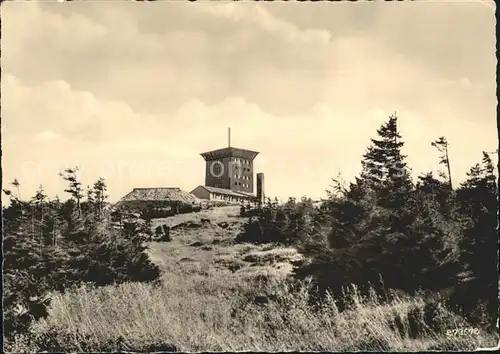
<point>216,295</point>
<point>204,241</point>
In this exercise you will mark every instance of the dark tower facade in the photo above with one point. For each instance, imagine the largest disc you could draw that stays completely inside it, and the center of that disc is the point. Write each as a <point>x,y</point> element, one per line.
<point>230,168</point>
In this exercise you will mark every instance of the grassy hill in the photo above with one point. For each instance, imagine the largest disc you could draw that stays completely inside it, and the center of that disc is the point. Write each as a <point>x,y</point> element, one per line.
<point>216,295</point>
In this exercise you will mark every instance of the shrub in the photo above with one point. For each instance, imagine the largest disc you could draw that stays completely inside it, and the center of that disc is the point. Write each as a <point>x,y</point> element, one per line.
<point>290,223</point>
<point>82,248</point>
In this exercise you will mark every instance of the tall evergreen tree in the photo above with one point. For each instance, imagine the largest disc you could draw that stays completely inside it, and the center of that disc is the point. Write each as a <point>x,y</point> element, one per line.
<point>99,190</point>
<point>384,167</point>
<point>478,199</point>
<point>39,201</point>
<point>441,145</point>
<point>16,184</point>
<point>75,187</point>
<point>383,228</point>
<point>90,202</point>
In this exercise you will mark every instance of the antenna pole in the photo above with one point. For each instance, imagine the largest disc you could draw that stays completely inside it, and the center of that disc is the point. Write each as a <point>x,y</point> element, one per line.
<point>229,137</point>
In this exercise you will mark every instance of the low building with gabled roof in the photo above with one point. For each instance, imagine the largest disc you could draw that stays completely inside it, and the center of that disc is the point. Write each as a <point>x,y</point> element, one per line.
<point>221,194</point>
<point>160,194</point>
<point>159,201</point>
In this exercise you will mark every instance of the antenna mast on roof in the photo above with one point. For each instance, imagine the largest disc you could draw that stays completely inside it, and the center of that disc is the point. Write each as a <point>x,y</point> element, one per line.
<point>229,137</point>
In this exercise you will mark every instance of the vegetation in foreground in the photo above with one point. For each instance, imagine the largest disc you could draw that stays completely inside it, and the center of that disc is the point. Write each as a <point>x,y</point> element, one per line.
<point>422,257</point>
<point>385,232</point>
<point>235,297</point>
<point>222,315</point>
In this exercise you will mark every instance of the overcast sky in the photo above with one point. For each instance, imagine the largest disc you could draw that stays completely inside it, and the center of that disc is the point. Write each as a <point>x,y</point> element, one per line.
<point>135,91</point>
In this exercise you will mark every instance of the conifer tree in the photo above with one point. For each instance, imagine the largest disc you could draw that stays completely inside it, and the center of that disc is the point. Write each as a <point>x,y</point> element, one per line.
<point>90,200</point>
<point>75,187</point>
<point>478,199</point>
<point>39,200</point>
<point>15,215</point>
<point>384,166</point>
<point>99,190</point>
<point>16,184</point>
<point>379,229</point>
<point>441,145</point>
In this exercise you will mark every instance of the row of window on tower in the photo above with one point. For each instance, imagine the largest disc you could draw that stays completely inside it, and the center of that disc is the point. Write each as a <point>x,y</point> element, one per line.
<point>244,185</point>
<point>242,177</point>
<point>242,161</point>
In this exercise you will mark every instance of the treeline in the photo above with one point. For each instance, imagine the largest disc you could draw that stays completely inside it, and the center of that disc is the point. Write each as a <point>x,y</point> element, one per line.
<point>51,245</point>
<point>385,232</point>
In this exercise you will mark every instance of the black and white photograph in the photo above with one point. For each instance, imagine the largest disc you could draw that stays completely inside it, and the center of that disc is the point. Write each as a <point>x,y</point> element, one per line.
<point>249,176</point>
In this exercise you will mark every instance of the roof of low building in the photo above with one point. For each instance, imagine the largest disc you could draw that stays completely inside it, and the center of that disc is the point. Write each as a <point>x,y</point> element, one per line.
<point>160,194</point>
<point>226,192</point>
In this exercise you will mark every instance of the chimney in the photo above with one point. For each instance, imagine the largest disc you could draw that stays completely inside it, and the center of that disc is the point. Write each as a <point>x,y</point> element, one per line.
<point>229,137</point>
<point>260,188</point>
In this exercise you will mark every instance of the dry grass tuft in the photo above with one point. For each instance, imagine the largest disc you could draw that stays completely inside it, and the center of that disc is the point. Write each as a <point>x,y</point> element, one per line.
<point>273,256</point>
<point>220,313</point>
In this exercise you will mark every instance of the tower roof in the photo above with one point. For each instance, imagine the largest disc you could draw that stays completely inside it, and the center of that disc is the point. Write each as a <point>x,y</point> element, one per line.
<point>229,152</point>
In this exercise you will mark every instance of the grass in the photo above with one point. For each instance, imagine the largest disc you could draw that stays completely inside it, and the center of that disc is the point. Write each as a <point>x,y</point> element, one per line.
<point>235,297</point>
<point>216,313</point>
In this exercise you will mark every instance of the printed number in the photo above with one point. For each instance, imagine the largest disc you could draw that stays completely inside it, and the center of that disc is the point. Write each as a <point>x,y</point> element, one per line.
<point>462,331</point>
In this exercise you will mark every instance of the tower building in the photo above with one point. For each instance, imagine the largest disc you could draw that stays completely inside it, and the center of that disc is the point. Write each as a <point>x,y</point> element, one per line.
<point>229,175</point>
<point>230,168</point>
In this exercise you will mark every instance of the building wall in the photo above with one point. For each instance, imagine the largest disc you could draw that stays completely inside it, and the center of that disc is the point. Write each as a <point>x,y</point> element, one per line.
<point>228,198</point>
<point>157,208</point>
<point>242,175</point>
<point>221,171</point>
<point>230,173</point>
<point>201,193</point>
<point>230,168</point>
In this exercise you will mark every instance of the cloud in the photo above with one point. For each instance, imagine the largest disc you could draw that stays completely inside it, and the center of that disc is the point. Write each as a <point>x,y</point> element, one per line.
<point>257,15</point>
<point>284,58</point>
<point>137,91</point>
<point>57,107</point>
<point>113,58</point>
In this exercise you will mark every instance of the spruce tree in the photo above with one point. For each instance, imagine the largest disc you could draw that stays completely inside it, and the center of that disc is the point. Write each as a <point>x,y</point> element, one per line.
<point>90,202</point>
<point>75,187</point>
<point>39,201</point>
<point>16,184</point>
<point>384,167</point>
<point>478,199</point>
<point>99,190</point>
<point>441,145</point>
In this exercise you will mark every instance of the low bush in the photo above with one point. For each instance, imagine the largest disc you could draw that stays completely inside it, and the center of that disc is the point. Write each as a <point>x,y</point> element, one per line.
<point>51,246</point>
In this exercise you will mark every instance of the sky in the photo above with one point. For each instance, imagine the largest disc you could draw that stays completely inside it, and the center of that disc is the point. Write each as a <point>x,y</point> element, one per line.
<point>135,91</point>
